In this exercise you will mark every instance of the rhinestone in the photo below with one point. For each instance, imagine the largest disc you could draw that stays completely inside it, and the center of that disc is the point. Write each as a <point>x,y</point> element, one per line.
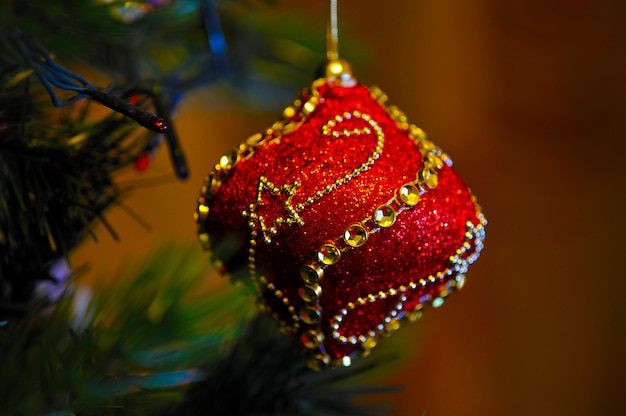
<point>434,161</point>
<point>255,140</point>
<point>218,265</point>
<point>384,216</point>
<point>437,302</point>
<point>311,274</point>
<point>428,146</point>
<point>355,235</point>
<point>310,293</point>
<point>414,315</point>
<point>311,339</point>
<point>409,194</point>
<point>460,281</point>
<point>310,105</point>
<point>392,325</point>
<point>346,361</point>
<point>203,199</point>
<point>427,178</point>
<point>213,183</point>
<point>204,241</point>
<point>228,160</point>
<point>289,112</point>
<point>446,159</point>
<point>370,343</point>
<point>205,186</point>
<point>328,254</point>
<point>378,95</point>
<point>310,316</point>
<point>416,133</point>
<point>203,213</point>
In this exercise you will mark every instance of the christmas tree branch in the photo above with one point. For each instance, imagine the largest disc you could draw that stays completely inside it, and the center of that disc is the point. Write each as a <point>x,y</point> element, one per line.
<point>158,340</point>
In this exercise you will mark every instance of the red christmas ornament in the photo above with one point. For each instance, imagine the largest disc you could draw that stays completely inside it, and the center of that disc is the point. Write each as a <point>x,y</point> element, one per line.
<point>344,215</point>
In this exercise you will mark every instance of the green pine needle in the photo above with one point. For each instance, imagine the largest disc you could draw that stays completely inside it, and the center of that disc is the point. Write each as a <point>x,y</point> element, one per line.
<point>160,340</point>
<point>138,343</point>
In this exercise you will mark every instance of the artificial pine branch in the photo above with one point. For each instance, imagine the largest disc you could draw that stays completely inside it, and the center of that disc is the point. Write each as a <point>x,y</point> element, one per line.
<point>57,166</point>
<point>266,374</point>
<point>54,182</point>
<point>159,341</point>
<point>107,351</point>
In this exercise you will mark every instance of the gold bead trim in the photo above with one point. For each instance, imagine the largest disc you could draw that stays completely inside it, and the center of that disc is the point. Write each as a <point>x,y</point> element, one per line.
<point>263,285</point>
<point>329,130</point>
<point>258,224</point>
<point>458,266</point>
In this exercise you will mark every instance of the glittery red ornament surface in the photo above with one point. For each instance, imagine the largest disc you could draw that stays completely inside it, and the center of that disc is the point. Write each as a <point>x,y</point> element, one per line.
<point>346,217</point>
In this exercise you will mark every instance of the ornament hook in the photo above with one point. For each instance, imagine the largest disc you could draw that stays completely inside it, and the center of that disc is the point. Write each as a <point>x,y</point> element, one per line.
<point>336,68</point>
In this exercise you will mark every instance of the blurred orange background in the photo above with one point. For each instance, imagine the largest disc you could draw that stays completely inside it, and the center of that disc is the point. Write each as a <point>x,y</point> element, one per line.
<point>529,99</point>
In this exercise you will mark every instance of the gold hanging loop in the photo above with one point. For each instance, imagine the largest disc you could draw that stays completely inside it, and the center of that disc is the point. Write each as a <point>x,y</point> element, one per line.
<point>336,68</point>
